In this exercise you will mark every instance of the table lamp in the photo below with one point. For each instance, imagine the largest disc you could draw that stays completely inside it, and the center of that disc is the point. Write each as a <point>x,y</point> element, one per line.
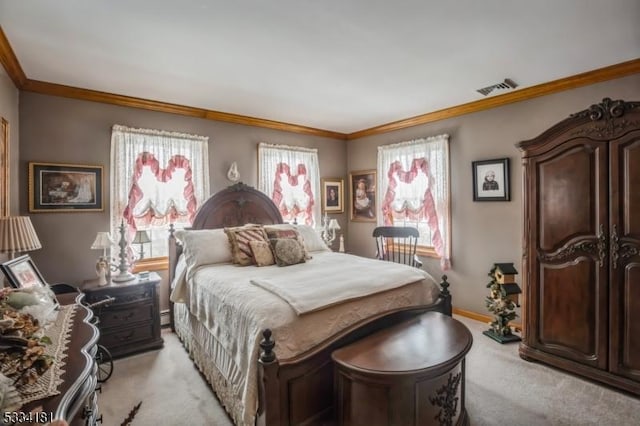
<point>17,235</point>
<point>141,237</point>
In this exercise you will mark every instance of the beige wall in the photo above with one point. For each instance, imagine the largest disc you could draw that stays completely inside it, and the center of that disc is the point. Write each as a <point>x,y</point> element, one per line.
<point>60,130</point>
<point>9,97</point>
<point>483,232</point>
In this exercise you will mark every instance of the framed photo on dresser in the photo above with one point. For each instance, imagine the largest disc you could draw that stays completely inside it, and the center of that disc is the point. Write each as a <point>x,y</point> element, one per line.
<point>21,272</point>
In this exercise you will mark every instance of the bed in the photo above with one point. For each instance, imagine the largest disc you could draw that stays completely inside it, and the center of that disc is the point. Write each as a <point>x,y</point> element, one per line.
<point>268,363</point>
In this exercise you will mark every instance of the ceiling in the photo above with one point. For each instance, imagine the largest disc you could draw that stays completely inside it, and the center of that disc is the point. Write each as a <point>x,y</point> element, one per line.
<point>340,65</point>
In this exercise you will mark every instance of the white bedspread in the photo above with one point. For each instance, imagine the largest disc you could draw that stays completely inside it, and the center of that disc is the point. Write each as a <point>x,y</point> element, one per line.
<point>325,282</point>
<point>236,312</point>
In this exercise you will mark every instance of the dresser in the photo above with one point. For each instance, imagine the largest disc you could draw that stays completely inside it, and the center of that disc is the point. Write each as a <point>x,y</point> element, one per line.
<point>77,401</point>
<point>131,322</point>
<point>581,244</point>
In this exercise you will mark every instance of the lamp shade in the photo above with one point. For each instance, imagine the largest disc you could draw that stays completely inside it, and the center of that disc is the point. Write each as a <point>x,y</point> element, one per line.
<point>333,224</point>
<point>17,235</point>
<point>141,237</point>
<point>103,241</point>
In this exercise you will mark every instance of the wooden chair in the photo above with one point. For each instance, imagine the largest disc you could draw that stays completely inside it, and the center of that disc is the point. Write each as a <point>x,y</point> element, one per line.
<point>397,244</point>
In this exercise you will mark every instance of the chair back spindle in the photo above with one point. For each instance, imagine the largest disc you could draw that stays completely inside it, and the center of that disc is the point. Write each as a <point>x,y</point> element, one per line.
<point>397,244</point>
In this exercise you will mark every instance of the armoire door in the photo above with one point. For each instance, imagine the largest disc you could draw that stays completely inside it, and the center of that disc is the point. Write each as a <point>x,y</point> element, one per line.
<point>624,355</point>
<point>567,188</point>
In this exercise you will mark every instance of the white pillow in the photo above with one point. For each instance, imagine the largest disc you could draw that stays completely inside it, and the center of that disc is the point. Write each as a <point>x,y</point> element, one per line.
<point>312,239</point>
<point>204,246</point>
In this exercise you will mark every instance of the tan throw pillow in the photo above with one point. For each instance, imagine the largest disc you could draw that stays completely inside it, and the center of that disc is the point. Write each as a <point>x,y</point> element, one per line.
<point>287,251</point>
<point>239,238</point>
<point>262,254</point>
<point>281,232</point>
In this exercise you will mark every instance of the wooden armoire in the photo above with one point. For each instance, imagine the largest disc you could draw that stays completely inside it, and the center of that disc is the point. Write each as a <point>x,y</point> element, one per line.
<point>581,253</point>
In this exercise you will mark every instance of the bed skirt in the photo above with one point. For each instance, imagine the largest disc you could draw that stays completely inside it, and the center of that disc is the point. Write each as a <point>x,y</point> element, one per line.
<point>207,355</point>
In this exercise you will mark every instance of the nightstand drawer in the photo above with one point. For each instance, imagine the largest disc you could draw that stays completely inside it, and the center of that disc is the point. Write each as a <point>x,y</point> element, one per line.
<point>123,295</point>
<point>127,336</point>
<point>122,317</point>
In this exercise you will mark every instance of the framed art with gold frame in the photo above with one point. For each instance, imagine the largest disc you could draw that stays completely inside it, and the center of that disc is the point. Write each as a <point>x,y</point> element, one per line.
<point>332,195</point>
<point>363,204</point>
<point>64,188</point>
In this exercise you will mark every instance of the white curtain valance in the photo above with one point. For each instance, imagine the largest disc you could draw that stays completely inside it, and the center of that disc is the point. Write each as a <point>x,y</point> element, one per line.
<point>157,176</point>
<point>413,185</point>
<point>290,176</point>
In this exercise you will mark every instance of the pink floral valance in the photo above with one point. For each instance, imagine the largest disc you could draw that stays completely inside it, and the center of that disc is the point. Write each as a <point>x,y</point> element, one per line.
<point>151,213</point>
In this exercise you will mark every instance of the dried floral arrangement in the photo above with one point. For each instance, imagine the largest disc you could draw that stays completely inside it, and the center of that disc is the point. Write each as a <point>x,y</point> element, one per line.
<point>22,339</point>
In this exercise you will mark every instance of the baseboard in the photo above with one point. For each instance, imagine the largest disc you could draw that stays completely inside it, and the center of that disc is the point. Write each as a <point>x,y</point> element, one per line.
<point>482,317</point>
<point>165,320</point>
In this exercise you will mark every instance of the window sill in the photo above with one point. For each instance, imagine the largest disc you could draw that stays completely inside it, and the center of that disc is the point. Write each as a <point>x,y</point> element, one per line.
<point>151,264</point>
<point>427,252</point>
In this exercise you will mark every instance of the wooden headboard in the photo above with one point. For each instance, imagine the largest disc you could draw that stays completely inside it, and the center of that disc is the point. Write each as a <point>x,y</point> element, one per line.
<point>233,206</point>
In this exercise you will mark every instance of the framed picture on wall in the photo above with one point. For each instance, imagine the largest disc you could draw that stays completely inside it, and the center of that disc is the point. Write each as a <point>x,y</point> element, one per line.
<point>491,180</point>
<point>4,167</point>
<point>363,195</point>
<point>21,272</point>
<point>332,195</point>
<point>64,188</point>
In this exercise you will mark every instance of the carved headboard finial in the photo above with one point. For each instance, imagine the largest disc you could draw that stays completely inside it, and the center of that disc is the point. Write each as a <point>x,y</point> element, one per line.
<point>240,186</point>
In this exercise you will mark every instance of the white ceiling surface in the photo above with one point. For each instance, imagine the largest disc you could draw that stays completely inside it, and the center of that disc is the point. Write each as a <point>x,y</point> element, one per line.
<point>342,65</point>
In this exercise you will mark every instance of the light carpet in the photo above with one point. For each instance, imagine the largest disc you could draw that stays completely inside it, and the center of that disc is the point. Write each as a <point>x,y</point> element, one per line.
<point>502,389</point>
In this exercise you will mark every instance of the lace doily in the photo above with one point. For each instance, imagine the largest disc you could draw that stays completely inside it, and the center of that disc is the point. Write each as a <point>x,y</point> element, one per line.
<point>59,333</point>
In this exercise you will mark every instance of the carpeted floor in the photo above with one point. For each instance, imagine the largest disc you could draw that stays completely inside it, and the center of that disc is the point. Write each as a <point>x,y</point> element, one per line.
<point>502,389</point>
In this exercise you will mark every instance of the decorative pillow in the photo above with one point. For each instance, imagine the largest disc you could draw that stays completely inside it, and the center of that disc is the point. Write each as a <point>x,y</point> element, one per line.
<point>286,231</point>
<point>262,254</point>
<point>312,239</point>
<point>239,238</point>
<point>287,251</point>
<point>204,246</point>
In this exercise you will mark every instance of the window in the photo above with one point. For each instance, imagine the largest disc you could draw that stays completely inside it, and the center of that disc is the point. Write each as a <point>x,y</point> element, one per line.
<point>290,176</point>
<point>413,184</point>
<point>157,178</point>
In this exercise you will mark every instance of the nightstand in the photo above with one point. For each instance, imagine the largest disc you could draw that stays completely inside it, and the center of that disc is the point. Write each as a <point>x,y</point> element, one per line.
<point>131,323</point>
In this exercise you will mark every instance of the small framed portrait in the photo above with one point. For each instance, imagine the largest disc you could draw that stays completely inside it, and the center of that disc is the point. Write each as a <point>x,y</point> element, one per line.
<point>21,272</point>
<point>491,180</point>
<point>64,188</point>
<point>332,195</point>
<point>363,195</point>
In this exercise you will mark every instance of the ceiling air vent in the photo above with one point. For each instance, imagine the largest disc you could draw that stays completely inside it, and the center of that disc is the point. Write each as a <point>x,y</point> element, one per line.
<point>507,84</point>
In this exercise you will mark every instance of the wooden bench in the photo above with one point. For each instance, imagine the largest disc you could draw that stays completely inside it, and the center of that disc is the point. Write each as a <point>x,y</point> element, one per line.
<point>410,374</point>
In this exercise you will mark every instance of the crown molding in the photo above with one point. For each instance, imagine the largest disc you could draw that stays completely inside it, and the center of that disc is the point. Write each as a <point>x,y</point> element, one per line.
<point>46,88</point>
<point>584,79</point>
<point>10,62</point>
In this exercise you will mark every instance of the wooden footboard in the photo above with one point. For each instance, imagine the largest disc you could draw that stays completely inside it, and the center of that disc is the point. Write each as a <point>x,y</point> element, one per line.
<point>300,390</point>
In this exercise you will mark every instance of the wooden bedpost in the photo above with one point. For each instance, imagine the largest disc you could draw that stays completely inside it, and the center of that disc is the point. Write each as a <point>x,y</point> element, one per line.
<point>269,386</point>
<point>446,296</point>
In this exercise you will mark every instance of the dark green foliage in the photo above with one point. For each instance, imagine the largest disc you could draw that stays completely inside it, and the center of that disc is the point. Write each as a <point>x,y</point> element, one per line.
<point>498,304</point>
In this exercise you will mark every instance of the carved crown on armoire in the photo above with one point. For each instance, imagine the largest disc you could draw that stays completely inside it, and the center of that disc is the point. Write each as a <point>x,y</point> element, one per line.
<point>581,245</point>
